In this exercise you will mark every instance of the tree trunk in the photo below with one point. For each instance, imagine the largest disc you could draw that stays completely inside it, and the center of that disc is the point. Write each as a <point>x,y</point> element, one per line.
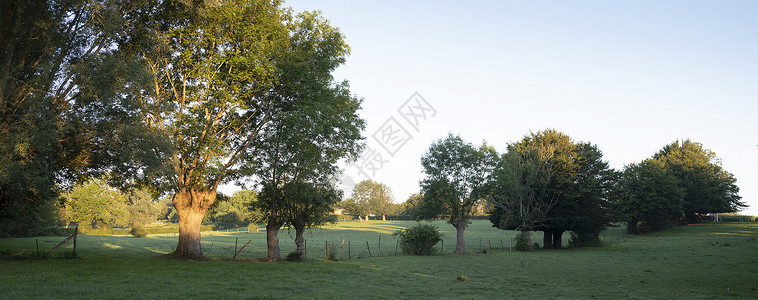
<point>547,239</point>
<point>528,236</point>
<point>558,239</point>
<point>191,207</point>
<point>631,226</point>
<point>383,218</point>
<point>299,240</point>
<point>272,241</point>
<point>460,243</point>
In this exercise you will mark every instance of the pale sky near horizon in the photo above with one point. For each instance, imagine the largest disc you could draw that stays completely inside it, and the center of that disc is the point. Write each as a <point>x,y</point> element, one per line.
<point>628,76</point>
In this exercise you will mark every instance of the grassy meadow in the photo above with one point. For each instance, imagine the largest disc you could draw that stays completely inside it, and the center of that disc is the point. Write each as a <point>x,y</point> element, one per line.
<point>687,262</point>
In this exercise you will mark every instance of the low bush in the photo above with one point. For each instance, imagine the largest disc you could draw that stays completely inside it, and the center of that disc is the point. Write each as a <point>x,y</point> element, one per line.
<point>138,230</point>
<point>294,256</point>
<point>419,239</point>
<point>584,239</point>
<point>522,244</point>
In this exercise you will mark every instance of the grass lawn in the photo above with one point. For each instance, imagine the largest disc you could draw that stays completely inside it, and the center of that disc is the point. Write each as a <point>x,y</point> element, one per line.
<point>687,262</point>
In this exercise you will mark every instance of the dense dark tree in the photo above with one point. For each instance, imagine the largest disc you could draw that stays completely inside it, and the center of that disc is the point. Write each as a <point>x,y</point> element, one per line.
<point>651,194</point>
<point>412,205</point>
<point>518,189</point>
<point>576,195</point>
<point>57,74</point>
<point>708,188</point>
<point>456,175</point>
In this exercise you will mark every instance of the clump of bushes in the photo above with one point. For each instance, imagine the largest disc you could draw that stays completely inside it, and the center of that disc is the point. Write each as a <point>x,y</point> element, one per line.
<point>331,252</point>
<point>584,239</point>
<point>522,244</point>
<point>419,239</point>
<point>138,230</point>
<point>294,256</point>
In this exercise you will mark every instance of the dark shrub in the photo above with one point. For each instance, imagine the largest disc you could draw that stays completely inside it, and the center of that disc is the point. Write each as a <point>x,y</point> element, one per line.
<point>419,239</point>
<point>521,243</point>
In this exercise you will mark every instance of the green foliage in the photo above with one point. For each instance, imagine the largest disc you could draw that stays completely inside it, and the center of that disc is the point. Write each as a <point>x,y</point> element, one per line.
<point>235,211</point>
<point>419,239</point>
<point>456,174</point>
<point>519,188</point>
<point>412,206</point>
<point>332,253</point>
<point>650,194</point>
<point>734,217</point>
<point>56,64</point>
<point>142,207</point>
<point>708,188</point>
<point>522,242</point>
<point>369,197</point>
<point>94,202</point>
<point>138,230</point>
<point>294,256</point>
<point>584,239</point>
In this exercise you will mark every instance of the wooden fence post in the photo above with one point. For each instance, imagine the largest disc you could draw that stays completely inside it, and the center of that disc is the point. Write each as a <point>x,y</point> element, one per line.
<point>243,247</point>
<point>349,256</point>
<point>380,246</point>
<point>342,249</point>
<point>369,248</point>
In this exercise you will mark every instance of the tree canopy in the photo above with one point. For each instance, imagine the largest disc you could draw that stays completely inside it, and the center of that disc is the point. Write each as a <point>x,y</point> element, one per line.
<point>456,175</point>
<point>575,195</point>
<point>708,188</point>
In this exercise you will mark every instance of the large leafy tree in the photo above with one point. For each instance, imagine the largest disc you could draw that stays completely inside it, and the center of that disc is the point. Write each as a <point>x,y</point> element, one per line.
<point>315,125</point>
<point>649,193</point>
<point>708,188</point>
<point>310,205</point>
<point>371,197</point>
<point>359,203</point>
<point>518,189</point>
<point>94,203</point>
<point>577,192</point>
<point>57,71</point>
<point>455,182</point>
<point>211,68</point>
<point>235,211</point>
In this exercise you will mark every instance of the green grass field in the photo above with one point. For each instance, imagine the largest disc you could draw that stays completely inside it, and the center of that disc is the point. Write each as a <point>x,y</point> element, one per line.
<point>710,261</point>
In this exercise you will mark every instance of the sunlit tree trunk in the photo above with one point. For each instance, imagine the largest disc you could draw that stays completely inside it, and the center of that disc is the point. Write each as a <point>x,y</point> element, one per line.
<point>191,207</point>
<point>272,241</point>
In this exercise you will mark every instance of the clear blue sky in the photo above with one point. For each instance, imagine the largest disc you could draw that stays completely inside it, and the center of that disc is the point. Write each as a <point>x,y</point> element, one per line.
<point>629,76</point>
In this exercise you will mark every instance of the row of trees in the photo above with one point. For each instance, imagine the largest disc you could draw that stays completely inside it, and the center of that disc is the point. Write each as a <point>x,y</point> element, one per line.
<point>174,97</point>
<point>370,198</point>
<point>548,182</point>
<point>95,204</point>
